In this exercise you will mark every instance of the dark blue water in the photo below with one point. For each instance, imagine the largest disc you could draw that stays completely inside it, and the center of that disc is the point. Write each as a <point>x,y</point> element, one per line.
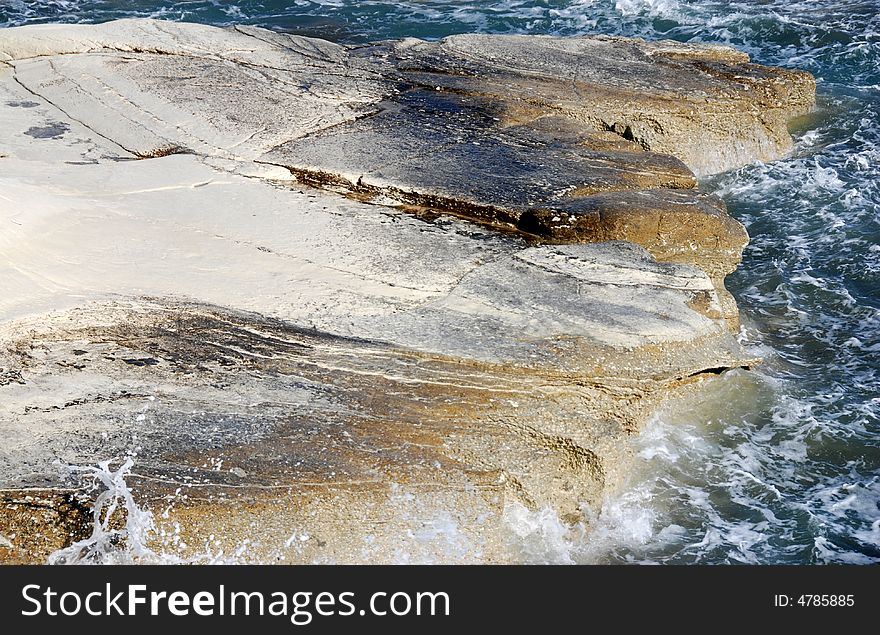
<point>778,465</point>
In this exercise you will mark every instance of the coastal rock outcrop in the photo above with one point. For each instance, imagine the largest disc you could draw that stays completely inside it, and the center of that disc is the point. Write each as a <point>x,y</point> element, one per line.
<point>704,104</point>
<point>374,296</point>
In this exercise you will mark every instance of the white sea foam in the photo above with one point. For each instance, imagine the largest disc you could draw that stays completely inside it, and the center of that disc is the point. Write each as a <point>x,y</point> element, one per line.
<point>540,536</point>
<point>655,8</point>
<point>108,544</point>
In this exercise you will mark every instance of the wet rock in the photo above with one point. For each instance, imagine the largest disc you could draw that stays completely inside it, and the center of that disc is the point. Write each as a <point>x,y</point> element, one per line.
<point>375,296</point>
<point>289,430</point>
<point>36,522</point>
<point>705,104</point>
<point>485,127</point>
<point>52,131</point>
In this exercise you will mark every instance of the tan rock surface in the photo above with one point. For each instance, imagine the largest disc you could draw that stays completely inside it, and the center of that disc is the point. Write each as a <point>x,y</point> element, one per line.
<point>383,371</point>
<point>705,104</point>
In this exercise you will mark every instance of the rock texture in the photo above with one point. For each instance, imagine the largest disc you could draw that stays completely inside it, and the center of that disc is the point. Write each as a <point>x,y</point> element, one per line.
<point>705,104</point>
<point>375,297</point>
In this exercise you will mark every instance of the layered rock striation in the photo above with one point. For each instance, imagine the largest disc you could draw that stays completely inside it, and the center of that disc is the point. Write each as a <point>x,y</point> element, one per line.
<point>358,294</point>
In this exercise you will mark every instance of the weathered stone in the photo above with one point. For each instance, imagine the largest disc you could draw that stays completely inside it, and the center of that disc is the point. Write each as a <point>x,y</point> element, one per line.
<point>705,104</point>
<point>385,372</point>
<point>675,226</point>
<point>446,151</point>
<point>35,522</point>
<point>152,86</point>
<point>299,431</point>
<point>501,125</point>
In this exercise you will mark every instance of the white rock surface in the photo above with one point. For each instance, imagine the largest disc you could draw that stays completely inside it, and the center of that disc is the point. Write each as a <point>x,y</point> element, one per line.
<point>363,364</point>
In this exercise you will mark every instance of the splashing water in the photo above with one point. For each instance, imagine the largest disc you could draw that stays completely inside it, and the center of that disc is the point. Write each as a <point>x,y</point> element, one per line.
<point>124,532</point>
<point>107,544</point>
<point>540,536</point>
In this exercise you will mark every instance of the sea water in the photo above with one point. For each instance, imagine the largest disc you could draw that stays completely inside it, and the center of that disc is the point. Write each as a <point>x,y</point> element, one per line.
<point>780,464</point>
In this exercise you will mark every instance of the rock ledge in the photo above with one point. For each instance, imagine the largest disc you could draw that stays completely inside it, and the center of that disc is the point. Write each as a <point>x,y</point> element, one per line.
<point>377,296</point>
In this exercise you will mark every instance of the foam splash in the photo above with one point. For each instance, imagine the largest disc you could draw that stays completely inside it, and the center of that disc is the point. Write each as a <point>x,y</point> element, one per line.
<point>719,480</point>
<point>541,537</point>
<point>626,524</point>
<point>124,532</point>
<point>654,8</point>
<point>109,544</point>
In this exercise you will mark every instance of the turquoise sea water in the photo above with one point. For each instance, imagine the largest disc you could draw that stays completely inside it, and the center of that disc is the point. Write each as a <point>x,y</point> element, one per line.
<point>777,465</point>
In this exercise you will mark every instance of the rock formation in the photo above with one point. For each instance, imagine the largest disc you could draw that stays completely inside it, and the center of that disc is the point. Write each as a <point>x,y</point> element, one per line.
<point>352,304</point>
